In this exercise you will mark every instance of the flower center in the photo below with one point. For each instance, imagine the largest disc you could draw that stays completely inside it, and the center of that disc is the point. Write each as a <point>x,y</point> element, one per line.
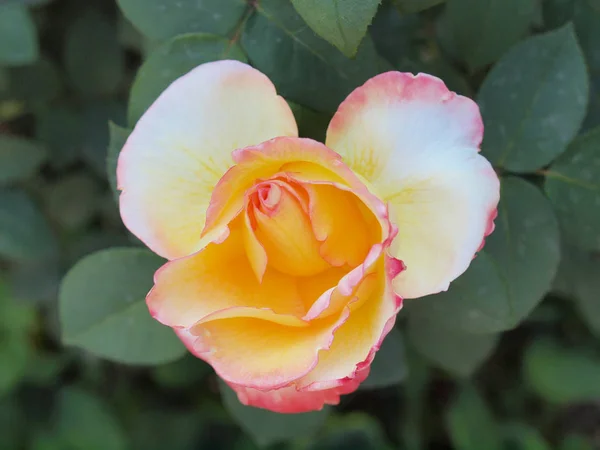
<point>269,196</point>
<point>279,213</point>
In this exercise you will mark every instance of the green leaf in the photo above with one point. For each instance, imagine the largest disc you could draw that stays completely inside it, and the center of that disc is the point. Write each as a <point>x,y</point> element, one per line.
<point>482,31</point>
<point>341,23</point>
<point>14,317</point>
<point>24,232</point>
<point>471,424</point>
<point>533,101</point>
<point>415,389</point>
<point>395,34</point>
<point>180,430</point>
<point>592,119</point>
<point>103,308</point>
<point>130,37</point>
<point>586,17</point>
<point>524,246</point>
<point>36,84</point>
<point>12,423</point>
<point>266,427</point>
<point>575,442</point>
<point>18,36</point>
<point>561,375</point>
<point>455,351</point>
<point>578,279</point>
<point>186,372</point>
<point>354,431</point>
<point>558,12</point>
<point>44,368</point>
<point>61,129</point>
<point>20,158</point>
<point>173,59</point>
<point>118,137</point>
<point>94,60</point>
<point>81,245</point>
<point>73,201</point>
<point>4,82</point>
<point>43,439</point>
<point>512,273</point>
<point>163,19</point>
<point>389,366</point>
<point>15,353</point>
<point>524,437</point>
<point>304,68</point>
<point>84,421</point>
<point>33,3</point>
<point>16,322</point>
<point>413,6</point>
<point>573,186</point>
<point>96,116</point>
<point>46,272</point>
<point>311,124</point>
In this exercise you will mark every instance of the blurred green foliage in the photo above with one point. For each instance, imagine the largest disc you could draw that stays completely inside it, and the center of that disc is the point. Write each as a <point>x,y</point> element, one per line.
<point>507,359</point>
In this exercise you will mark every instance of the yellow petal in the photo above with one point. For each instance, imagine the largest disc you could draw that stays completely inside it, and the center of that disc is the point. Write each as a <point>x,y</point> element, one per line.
<point>313,287</point>
<point>284,230</point>
<point>257,256</point>
<point>219,277</point>
<point>257,353</point>
<point>357,340</point>
<point>346,230</point>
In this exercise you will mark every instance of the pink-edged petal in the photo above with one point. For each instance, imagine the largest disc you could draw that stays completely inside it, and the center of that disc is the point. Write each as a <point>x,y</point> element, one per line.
<point>182,146</point>
<point>382,126</point>
<point>257,353</point>
<point>348,287</point>
<point>289,400</point>
<point>314,287</point>
<point>442,222</point>
<point>355,286</point>
<point>305,159</point>
<point>417,145</point>
<point>358,339</point>
<point>219,277</point>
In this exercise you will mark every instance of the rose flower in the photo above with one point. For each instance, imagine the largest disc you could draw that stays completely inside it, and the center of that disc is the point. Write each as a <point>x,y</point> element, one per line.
<point>288,259</point>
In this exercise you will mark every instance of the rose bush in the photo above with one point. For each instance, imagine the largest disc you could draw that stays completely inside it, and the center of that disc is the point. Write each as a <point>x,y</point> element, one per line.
<point>289,259</point>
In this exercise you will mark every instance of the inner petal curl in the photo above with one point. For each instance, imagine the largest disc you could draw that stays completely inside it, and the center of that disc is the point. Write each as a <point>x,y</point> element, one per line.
<point>277,213</point>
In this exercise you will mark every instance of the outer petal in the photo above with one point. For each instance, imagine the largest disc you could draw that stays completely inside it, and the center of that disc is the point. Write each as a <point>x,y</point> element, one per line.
<point>182,146</point>
<point>290,400</point>
<point>219,278</point>
<point>358,339</point>
<point>417,143</point>
<point>260,354</point>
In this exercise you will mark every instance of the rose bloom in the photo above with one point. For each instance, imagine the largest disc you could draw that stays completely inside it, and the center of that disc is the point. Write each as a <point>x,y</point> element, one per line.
<point>288,259</point>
